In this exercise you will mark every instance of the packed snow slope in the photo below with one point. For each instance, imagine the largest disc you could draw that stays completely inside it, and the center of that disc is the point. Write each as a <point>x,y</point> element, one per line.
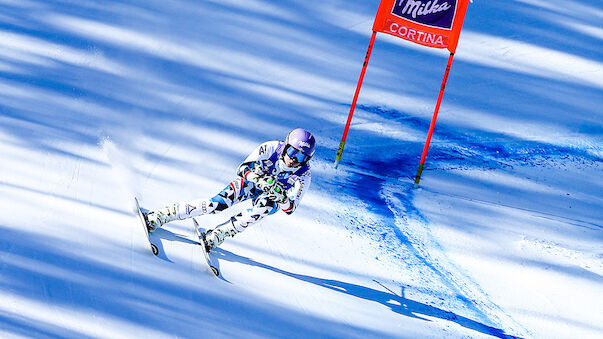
<point>102,101</point>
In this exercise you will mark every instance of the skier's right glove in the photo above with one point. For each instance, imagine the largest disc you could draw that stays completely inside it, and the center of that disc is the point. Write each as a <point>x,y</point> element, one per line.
<point>254,175</point>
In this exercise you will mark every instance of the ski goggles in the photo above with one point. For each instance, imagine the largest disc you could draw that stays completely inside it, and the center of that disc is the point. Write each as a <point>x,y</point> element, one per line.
<point>296,155</point>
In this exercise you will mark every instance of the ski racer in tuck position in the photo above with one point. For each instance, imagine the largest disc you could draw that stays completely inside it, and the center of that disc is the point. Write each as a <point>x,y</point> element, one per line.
<point>274,176</point>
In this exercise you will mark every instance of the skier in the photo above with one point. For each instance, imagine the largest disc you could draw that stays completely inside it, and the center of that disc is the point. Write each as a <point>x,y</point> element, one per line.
<point>274,176</point>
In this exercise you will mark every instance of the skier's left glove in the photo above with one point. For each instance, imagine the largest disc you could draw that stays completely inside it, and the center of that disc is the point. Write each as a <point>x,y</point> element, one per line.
<point>277,194</point>
<point>265,182</point>
<point>256,176</point>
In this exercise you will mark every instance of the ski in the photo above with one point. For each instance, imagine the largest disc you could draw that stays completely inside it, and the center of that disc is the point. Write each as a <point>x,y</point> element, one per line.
<point>203,244</point>
<point>143,222</point>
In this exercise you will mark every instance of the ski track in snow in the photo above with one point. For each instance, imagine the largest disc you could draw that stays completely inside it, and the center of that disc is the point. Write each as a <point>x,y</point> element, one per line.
<point>414,228</point>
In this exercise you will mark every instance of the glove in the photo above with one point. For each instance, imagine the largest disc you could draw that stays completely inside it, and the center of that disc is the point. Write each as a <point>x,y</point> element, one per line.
<point>277,194</point>
<point>265,182</point>
<point>294,191</point>
<point>254,175</point>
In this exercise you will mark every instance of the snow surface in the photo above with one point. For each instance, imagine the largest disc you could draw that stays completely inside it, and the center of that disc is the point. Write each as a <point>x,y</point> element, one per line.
<point>101,101</point>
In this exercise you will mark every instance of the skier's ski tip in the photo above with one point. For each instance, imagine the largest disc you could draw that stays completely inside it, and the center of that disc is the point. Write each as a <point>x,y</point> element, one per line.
<point>143,221</point>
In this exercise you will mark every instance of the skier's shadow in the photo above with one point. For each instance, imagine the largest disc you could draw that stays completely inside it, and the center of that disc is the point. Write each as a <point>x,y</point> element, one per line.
<point>156,239</point>
<point>168,235</point>
<point>396,303</point>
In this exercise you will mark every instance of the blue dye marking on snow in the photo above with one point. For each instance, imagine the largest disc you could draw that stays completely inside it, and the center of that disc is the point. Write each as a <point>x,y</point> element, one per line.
<point>369,188</point>
<point>451,148</point>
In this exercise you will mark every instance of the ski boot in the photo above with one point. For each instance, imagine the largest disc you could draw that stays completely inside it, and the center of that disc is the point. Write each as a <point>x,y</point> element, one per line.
<point>156,219</point>
<point>214,238</point>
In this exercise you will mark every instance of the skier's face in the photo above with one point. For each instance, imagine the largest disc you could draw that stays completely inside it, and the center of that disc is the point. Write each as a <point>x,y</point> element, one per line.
<point>291,162</point>
<point>294,157</point>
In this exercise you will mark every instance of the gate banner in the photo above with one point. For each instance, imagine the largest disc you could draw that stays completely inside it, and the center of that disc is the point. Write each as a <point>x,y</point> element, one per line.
<point>432,23</point>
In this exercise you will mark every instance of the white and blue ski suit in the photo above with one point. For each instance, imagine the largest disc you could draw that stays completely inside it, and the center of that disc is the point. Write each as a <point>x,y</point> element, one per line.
<point>268,157</point>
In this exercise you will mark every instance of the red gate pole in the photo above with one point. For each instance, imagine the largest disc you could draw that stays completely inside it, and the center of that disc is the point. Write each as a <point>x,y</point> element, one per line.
<point>353,107</point>
<point>433,121</point>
